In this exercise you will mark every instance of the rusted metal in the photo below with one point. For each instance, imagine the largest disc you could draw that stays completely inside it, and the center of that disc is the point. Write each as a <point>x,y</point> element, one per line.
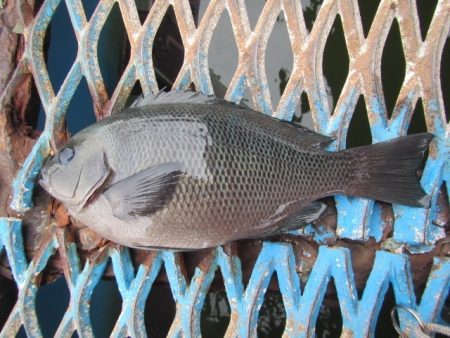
<point>361,244</point>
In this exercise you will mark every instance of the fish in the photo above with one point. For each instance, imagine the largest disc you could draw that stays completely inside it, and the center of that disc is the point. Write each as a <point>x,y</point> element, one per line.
<point>186,171</point>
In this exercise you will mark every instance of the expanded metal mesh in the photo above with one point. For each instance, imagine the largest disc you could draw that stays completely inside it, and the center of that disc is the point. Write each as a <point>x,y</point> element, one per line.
<point>358,219</point>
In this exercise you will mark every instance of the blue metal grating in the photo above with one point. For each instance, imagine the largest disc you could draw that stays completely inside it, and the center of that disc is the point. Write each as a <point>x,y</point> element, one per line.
<point>302,305</point>
<point>358,219</point>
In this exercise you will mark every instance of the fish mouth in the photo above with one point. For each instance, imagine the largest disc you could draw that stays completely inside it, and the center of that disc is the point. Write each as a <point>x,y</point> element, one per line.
<point>79,203</point>
<point>44,183</point>
<point>44,180</point>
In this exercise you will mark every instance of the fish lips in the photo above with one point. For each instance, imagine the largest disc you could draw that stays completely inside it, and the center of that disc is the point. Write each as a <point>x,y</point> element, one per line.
<point>44,183</point>
<point>44,180</point>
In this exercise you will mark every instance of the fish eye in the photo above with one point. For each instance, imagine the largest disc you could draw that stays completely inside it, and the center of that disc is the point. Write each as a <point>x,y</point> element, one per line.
<point>66,155</point>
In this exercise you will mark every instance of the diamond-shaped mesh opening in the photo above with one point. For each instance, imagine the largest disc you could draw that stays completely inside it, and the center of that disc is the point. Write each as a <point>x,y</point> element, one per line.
<point>392,67</point>
<point>33,112</point>
<point>159,307</point>
<point>310,11</point>
<point>215,315</point>
<point>202,9</point>
<point>37,6</point>
<point>136,92</point>
<point>254,9</point>
<point>195,10</point>
<point>113,37</point>
<point>8,298</point>
<point>199,9</point>
<point>106,304</point>
<point>192,87</point>
<point>425,11</point>
<point>282,80</point>
<point>40,124</point>
<point>29,109</point>
<point>61,37</point>
<point>143,8</point>
<point>445,314</point>
<point>252,249</point>
<point>384,327</point>
<point>329,321</point>
<point>417,124</point>
<point>445,78</point>
<point>168,50</point>
<point>367,10</point>
<point>194,259</point>
<point>272,315</point>
<point>247,99</point>
<point>222,61</point>
<point>52,301</point>
<point>303,114</point>
<point>421,268</point>
<point>335,53</point>
<point>358,133</point>
<point>362,258</point>
<point>89,7</point>
<point>80,112</point>
<point>21,333</point>
<point>279,59</point>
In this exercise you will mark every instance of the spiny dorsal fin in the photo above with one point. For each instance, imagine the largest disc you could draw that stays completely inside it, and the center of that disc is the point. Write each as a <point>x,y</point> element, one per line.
<point>176,96</point>
<point>311,138</point>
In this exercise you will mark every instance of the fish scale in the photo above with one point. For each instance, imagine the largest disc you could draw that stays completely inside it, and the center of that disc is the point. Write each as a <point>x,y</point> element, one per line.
<point>199,174</point>
<point>258,192</point>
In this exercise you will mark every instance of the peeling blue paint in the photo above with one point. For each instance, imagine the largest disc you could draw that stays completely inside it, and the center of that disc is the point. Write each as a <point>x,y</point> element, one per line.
<point>358,219</point>
<point>23,183</point>
<point>302,306</point>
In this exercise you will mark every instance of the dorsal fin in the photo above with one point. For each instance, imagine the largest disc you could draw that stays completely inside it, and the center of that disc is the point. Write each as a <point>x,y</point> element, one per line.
<point>311,138</point>
<point>176,96</point>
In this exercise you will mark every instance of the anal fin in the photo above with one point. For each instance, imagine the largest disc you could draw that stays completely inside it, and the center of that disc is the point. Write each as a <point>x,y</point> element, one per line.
<point>297,220</point>
<point>304,217</point>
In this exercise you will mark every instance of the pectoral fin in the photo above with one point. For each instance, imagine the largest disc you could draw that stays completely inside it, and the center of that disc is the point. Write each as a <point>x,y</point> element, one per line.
<point>145,192</point>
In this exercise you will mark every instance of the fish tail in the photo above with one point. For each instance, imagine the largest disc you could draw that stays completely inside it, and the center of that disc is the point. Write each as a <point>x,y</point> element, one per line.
<point>387,171</point>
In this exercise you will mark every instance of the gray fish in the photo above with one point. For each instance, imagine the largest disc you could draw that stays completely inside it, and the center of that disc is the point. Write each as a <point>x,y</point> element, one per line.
<point>184,171</point>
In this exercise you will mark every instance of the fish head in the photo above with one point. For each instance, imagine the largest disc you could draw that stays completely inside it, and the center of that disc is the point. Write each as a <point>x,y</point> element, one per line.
<point>75,173</point>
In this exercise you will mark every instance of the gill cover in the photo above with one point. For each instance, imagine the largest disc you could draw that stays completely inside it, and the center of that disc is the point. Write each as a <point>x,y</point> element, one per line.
<point>74,173</point>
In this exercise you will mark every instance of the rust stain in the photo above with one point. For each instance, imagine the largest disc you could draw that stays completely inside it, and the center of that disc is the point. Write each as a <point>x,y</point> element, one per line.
<point>19,65</point>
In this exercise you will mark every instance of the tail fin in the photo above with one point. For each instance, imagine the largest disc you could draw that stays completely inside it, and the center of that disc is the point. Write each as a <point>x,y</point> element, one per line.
<point>388,170</point>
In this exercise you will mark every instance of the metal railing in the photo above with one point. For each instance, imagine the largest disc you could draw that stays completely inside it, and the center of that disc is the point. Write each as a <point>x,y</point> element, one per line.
<point>357,219</point>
